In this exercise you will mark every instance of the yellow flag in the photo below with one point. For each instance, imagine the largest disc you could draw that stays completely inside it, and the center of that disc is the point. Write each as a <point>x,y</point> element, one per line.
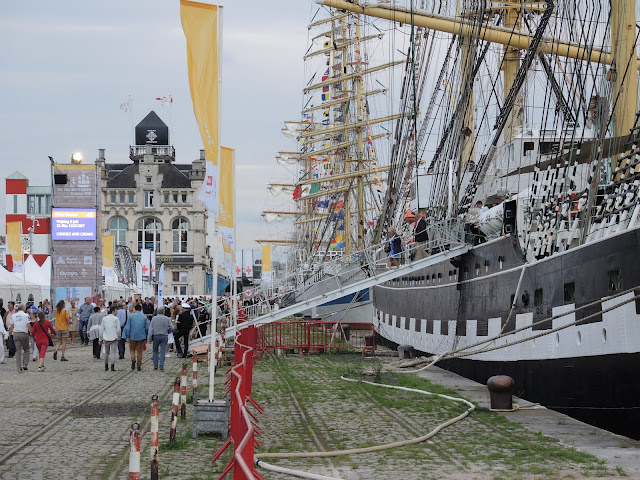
<point>226,208</point>
<point>266,263</point>
<point>226,214</point>
<point>14,229</point>
<point>107,251</point>
<point>200,25</point>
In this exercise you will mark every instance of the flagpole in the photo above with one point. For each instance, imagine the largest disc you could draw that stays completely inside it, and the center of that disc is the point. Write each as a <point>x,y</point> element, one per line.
<point>133,133</point>
<point>214,310</point>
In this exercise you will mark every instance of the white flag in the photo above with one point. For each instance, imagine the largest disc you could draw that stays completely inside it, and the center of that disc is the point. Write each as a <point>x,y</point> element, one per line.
<point>145,262</point>
<point>208,194</point>
<point>247,260</point>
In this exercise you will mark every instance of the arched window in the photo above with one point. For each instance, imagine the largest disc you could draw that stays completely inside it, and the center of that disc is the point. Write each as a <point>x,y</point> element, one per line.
<point>149,229</point>
<point>118,227</point>
<point>180,228</point>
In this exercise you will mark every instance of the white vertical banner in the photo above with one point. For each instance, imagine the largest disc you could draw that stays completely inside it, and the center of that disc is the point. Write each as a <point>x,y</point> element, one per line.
<point>139,275</point>
<point>154,277</point>
<point>161,286</point>
<point>145,262</point>
<point>247,260</point>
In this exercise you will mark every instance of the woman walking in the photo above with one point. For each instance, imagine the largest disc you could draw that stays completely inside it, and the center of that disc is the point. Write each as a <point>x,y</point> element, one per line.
<point>73,321</point>
<point>62,325</point>
<point>41,331</point>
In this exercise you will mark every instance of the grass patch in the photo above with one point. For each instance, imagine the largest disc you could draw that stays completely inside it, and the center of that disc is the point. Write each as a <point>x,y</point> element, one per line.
<point>182,442</point>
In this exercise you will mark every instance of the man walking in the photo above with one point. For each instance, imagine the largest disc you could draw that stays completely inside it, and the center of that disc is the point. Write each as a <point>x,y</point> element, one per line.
<point>109,336</point>
<point>421,237</point>
<point>20,328</point>
<point>158,334</point>
<point>93,330</point>
<point>84,313</point>
<point>136,333</point>
<point>122,317</point>
<point>11,346</point>
<point>185,323</point>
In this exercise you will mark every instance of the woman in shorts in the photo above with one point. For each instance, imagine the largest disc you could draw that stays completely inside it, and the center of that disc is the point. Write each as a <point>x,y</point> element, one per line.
<point>395,252</point>
<point>62,326</point>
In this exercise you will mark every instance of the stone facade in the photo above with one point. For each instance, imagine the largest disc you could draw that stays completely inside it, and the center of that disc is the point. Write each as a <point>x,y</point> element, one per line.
<point>151,203</point>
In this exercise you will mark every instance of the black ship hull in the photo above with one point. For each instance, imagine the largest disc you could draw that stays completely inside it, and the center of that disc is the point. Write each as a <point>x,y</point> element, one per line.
<point>588,370</point>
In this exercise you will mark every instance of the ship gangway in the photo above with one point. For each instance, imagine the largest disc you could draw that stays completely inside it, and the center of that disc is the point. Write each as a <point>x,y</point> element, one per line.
<point>442,242</point>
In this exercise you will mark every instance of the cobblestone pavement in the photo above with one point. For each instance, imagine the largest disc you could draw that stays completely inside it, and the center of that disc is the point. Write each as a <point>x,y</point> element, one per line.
<point>307,409</point>
<point>83,443</point>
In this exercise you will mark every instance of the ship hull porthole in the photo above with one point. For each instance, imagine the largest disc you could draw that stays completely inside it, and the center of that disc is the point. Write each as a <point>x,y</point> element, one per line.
<point>579,338</point>
<point>604,335</point>
<point>557,339</point>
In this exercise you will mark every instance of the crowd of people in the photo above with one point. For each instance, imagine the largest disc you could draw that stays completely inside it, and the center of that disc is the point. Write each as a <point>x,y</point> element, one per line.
<point>28,331</point>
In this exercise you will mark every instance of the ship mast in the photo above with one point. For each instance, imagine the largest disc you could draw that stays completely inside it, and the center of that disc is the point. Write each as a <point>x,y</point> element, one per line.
<point>624,68</point>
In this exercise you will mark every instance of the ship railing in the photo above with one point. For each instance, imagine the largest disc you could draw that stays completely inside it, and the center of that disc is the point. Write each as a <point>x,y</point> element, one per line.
<point>372,260</point>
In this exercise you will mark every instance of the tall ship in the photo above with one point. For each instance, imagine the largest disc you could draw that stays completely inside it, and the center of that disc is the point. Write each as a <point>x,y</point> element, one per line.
<point>337,161</point>
<point>529,107</point>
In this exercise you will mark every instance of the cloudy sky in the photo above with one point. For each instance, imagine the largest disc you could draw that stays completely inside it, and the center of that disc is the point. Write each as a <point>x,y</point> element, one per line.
<point>66,66</point>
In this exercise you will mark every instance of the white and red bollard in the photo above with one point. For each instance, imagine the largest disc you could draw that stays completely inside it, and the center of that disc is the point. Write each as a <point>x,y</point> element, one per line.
<point>194,383</point>
<point>183,392</point>
<point>154,442</point>
<point>134,452</point>
<point>174,410</point>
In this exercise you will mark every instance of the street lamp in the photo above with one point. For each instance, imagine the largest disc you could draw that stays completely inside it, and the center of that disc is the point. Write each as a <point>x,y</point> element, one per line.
<point>76,158</point>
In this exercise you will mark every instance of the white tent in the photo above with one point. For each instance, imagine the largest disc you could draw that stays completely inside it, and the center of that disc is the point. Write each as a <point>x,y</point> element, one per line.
<point>12,286</point>
<point>35,273</point>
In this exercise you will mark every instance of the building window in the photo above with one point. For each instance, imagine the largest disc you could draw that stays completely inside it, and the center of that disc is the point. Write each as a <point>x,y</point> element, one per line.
<point>179,289</point>
<point>148,179</point>
<point>15,204</point>
<point>118,227</point>
<point>179,229</point>
<point>184,198</point>
<point>149,229</point>
<point>113,198</point>
<point>131,198</point>
<point>166,198</point>
<point>175,198</point>
<point>122,197</point>
<point>148,198</point>
<point>38,205</point>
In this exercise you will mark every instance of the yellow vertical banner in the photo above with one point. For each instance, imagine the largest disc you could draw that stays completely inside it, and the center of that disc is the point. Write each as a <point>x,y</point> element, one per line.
<point>107,251</point>
<point>14,230</point>
<point>266,263</point>
<point>200,26</point>
<point>226,215</point>
<point>107,259</point>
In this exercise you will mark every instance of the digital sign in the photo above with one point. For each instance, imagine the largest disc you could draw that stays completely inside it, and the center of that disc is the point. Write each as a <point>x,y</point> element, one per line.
<point>73,223</point>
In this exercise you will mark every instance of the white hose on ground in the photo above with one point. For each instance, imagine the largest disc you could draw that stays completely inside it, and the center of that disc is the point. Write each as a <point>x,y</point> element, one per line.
<point>289,471</point>
<point>386,446</point>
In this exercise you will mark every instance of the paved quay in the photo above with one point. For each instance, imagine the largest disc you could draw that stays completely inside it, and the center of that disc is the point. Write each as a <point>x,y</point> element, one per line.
<point>615,450</point>
<point>78,418</point>
<point>72,439</point>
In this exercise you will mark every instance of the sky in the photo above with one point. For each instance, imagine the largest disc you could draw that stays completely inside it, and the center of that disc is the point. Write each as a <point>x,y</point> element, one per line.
<point>66,67</point>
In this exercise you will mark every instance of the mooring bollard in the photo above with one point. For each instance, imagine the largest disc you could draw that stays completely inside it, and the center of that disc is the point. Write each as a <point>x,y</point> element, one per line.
<point>183,392</point>
<point>134,452</point>
<point>174,410</point>
<point>154,442</point>
<point>194,383</point>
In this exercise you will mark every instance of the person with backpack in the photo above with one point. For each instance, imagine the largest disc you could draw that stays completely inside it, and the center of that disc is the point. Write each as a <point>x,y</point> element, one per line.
<point>41,331</point>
